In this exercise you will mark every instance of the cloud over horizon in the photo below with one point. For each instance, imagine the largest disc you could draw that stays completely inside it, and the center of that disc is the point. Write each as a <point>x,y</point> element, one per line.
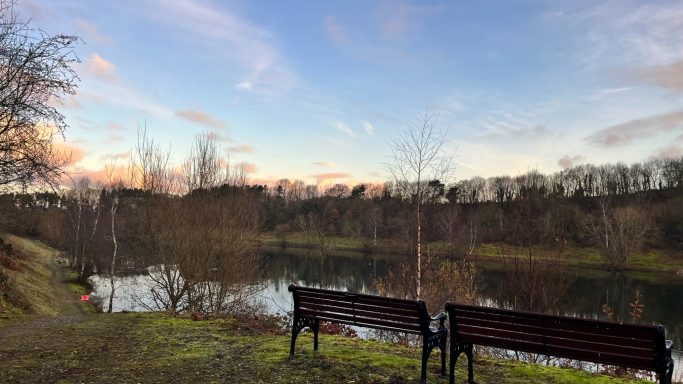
<point>200,117</point>
<point>567,161</point>
<point>625,133</point>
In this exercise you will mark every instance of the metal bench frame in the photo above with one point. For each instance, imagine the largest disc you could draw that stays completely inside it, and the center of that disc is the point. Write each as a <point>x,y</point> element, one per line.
<point>312,305</point>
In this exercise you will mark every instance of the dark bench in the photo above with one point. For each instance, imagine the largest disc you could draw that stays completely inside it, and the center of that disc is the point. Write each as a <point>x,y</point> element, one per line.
<point>627,345</point>
<point>311,306</point>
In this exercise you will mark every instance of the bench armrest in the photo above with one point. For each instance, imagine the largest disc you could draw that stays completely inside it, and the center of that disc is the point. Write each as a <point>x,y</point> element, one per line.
<point>441,317</point>
<point>669,344</point>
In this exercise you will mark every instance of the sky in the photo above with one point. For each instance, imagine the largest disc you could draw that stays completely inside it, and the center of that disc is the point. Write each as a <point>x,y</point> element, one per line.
<point>315,90</point>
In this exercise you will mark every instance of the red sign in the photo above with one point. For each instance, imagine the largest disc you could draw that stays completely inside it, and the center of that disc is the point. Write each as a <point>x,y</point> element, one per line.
<point>85,297</point>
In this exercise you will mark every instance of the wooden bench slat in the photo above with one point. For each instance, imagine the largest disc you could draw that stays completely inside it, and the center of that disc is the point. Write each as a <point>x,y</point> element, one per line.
<point>556,322</point>
<point>350,305</point>
<point>360,313</point>
<point>364,299</point>
<point>601,347</point>
<point>475,316</point>
<point>558,333</point>
<point>502,343</point>
<point>505,334</point>
<point>601,357</point>
<point>602,338</point>
<point>360,321</point>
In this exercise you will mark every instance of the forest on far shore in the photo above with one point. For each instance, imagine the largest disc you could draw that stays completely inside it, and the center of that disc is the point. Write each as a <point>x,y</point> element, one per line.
<point>618,208</point>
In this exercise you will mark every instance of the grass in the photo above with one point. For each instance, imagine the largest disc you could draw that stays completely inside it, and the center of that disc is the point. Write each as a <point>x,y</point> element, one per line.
<point>30,280</point>
<point>159,348</point>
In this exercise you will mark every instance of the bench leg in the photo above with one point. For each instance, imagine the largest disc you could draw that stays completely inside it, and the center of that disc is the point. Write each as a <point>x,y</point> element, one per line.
<point>666,376</point>
<point>298,324</point>
<point>425,359</point>
<point>315,326</point>
<point>455,353</point>
<point>442,348</point>
<point>470,363</point>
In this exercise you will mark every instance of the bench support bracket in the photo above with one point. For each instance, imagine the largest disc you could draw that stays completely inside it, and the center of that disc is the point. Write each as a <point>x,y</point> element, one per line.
<point>456,350</point>
<point>298,324</point>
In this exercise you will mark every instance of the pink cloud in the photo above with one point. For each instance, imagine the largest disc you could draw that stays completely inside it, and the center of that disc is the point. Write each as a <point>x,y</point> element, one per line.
<point>330,176</point>
<point>668,152</point>
<point>625,133</point>
<point>200,117</point>
<point>250,167</point>
<point>243,148</point>
<point>666,76</point>
<point>91,34</point>
<point>567,161</point>
<point>101,67</point>
<point>74,153</point>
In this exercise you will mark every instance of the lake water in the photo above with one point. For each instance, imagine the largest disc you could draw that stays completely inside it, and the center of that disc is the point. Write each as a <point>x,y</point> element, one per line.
<point>662,294</point>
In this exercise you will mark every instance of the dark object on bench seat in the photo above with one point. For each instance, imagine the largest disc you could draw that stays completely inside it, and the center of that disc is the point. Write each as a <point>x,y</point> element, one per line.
<point>627,345</point>
<point>313,305</point>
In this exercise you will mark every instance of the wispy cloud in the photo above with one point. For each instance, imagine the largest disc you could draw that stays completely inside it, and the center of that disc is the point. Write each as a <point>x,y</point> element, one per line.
<point>368,128</point>
<point>567,161</point>
<point>249,167</point>
<point>246,47</point>
<point>503,125</point>
<point>666,76</point>
<point>330,176</point>
<point>114,157</point>
<point>92,34</point>
<point>326,164</point>
<point>401,18</point>
<point>335,32</point>
<point>245,86</point>
<point>621,33</point>
<point>200,117</point>
<point>242,148</point>
<point>626,133</point>
<point>101,67</point>
<point>344,128</point>
<point>668,152</point>
<point>219,137</point>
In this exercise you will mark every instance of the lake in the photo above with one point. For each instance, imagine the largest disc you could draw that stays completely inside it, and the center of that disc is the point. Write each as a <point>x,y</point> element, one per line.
<point>584,296</point>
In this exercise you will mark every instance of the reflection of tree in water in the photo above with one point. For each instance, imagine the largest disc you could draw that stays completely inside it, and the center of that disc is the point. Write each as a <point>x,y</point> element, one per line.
<point>354,273</point>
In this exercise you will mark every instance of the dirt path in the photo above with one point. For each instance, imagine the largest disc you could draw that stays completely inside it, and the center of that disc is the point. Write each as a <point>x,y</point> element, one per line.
<point>24,329</point>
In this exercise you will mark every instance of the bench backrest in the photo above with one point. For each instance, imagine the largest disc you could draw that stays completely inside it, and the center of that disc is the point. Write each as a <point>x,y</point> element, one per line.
<point>362,310</point>
<point>628,345</point>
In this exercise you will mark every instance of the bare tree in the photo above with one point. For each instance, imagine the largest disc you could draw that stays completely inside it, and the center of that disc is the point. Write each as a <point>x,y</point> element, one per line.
<point>35,72</point>
<point>620,232</point>
<point>418,157</point>
<point>84,208</point>
<point>202,168</point>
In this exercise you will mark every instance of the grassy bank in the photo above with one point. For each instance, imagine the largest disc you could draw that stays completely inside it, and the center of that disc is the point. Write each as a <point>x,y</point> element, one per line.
<point>655,260</point>
<point>34,283</point>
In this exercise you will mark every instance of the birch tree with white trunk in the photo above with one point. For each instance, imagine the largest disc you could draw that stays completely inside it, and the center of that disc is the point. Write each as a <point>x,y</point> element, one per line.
<point>418,156</point>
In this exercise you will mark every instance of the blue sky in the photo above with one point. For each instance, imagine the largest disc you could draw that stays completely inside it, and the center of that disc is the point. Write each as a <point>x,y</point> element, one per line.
<point>316,89</point>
